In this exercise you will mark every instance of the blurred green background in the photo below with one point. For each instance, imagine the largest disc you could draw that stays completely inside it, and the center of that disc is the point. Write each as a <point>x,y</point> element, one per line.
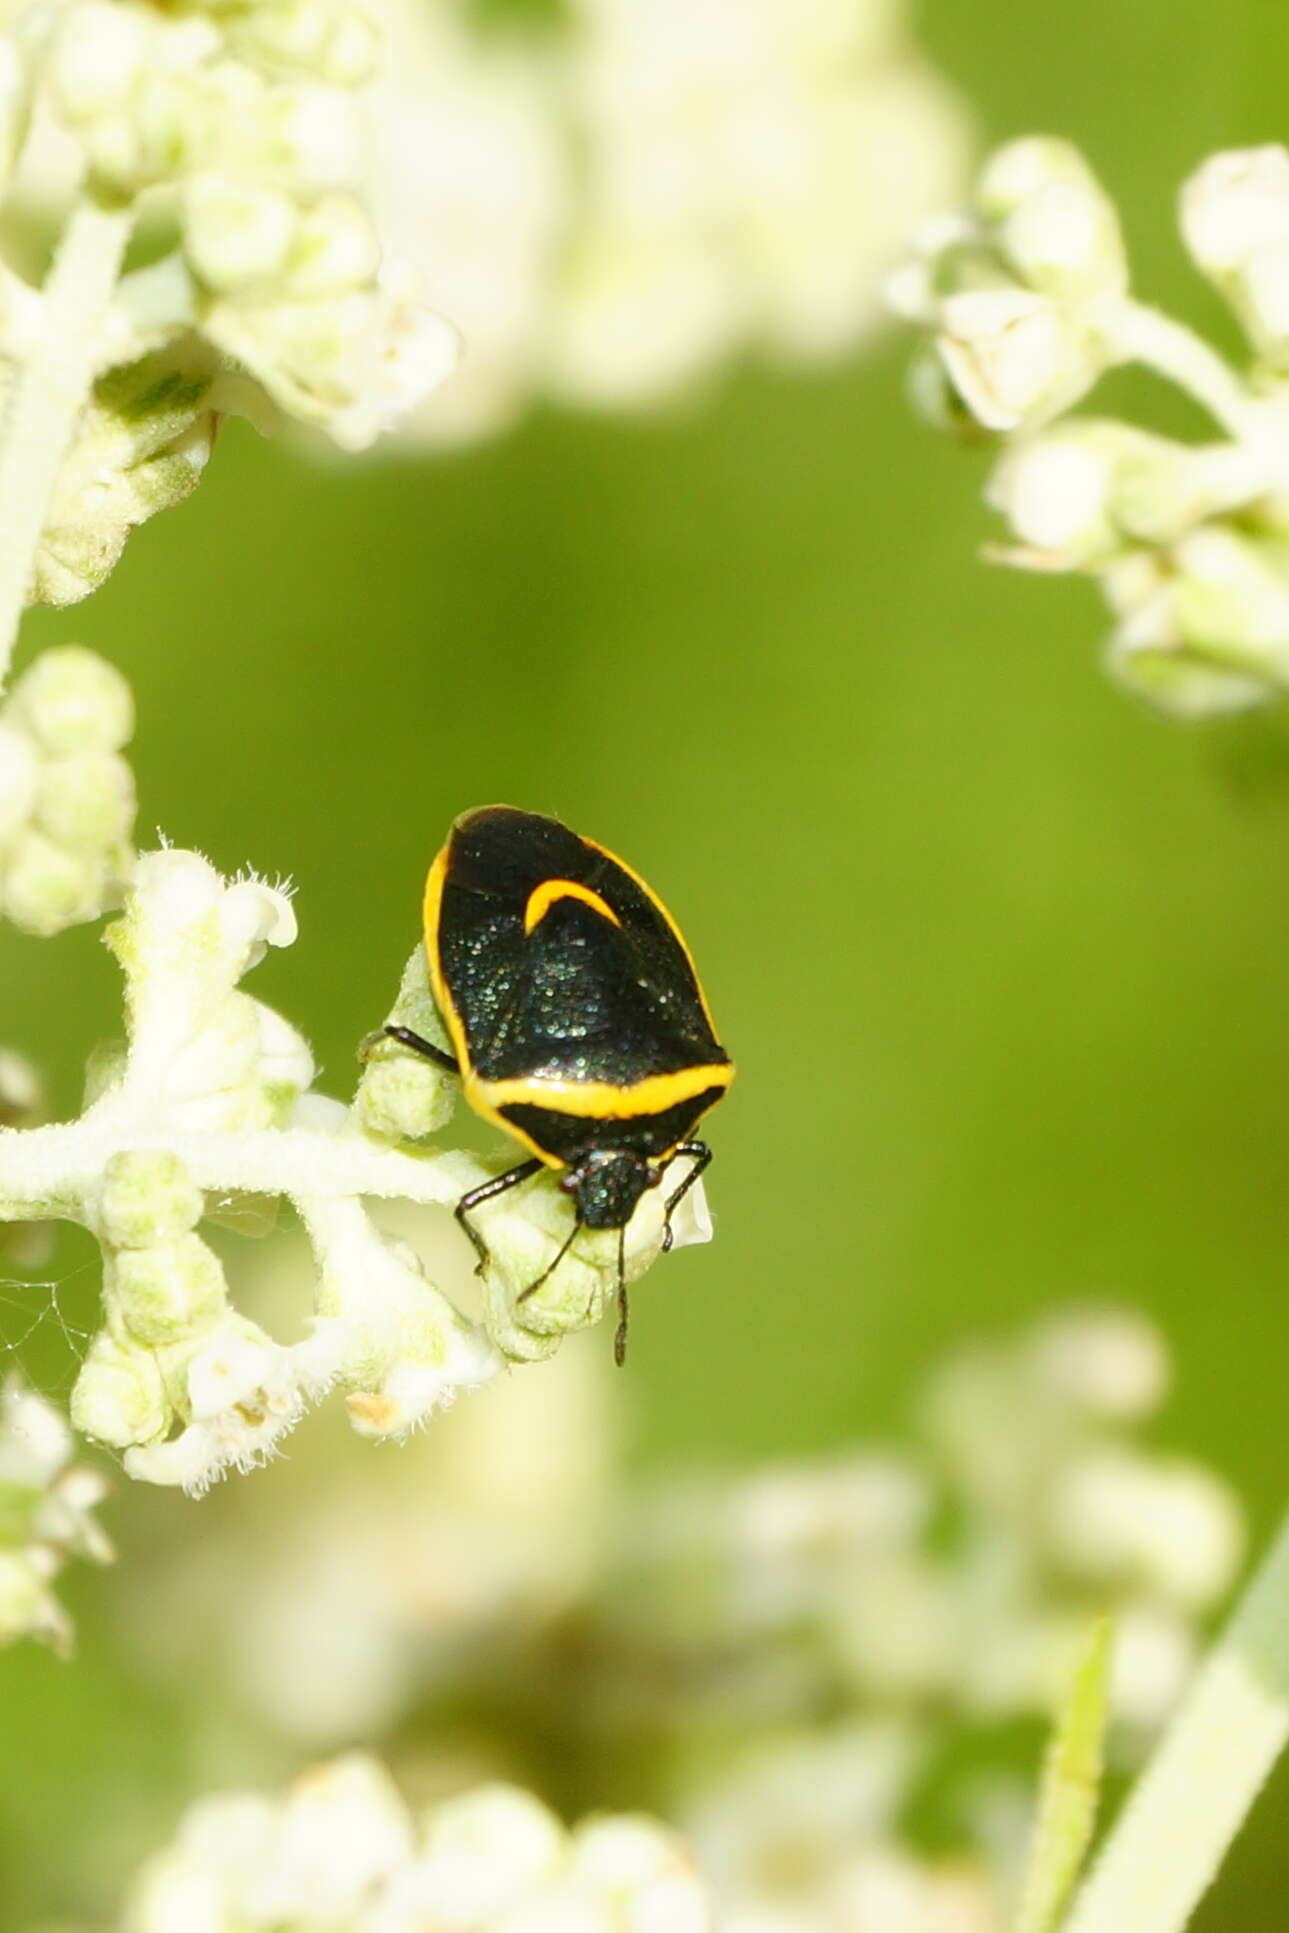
<point>1003,958</point>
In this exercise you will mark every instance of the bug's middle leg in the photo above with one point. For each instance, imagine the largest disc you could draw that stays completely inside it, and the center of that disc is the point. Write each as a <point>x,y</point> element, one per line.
<point>488,1191</point>
<point>701,1154</point>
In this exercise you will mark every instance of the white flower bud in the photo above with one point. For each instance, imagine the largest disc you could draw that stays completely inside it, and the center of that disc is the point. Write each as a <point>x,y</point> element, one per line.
<point>1106,1363</point>
<point>73,702</point>
<point>343,1830</point>
<point>101,53</point>
<point>1171,1527</point>
<point>1236,204</point>
<point>27,1606</point>
<point>335,248</point>
<point>86,804</point>
<point>35,1442</point>
<point>1235,221</point>
<point>1015,357</point>
<point>1232,601</point>
<point>1056,492</point>
<point>236,231</point>
<point>635,1868</point>
<point>332,42</point>
<point>1056,223</point>
<point>146,1198</point>
<point>487,1852</point>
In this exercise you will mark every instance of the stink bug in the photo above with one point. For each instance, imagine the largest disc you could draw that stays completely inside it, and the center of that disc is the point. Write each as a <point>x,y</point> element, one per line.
<point>576,1015</point>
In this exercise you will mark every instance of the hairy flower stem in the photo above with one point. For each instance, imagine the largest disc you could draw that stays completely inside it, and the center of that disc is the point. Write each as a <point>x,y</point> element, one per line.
<point>1195,1794</point>
<point>52,388</point>
<point>50,1172</point>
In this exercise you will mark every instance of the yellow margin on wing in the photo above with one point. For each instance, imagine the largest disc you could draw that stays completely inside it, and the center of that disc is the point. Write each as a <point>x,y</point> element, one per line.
<point>654,900</point>
<point>603,1100</point>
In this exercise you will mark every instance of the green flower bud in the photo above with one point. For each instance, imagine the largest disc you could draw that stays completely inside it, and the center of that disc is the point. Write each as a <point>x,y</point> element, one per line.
<point>45,889</point>
<point>146,1198</point>
<point>166,1293</point>
<point>73,702</point>
<point>120,1396</point>
<point>402,1096</point>
<point>86,804</point>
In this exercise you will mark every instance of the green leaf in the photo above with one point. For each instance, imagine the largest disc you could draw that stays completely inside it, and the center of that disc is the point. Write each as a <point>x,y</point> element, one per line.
<point>1067,1802</point>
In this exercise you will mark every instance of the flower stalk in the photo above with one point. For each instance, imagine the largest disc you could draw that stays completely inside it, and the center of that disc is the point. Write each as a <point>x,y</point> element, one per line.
<point>52,388</point>
<point>1200,1786</point>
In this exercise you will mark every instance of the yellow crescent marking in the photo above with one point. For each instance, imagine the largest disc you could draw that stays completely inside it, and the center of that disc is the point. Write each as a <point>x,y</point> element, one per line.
<point>543,897</point>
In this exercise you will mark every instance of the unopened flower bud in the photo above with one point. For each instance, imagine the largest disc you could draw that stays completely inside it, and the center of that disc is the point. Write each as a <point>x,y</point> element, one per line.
<point>1235,220</point>
<point>167,1292</point>
<point>335,247</point>
<point>146,1198</point>
<point>74,703</point>
<point>119,1396</point>
<point>332,42</point>
<point>45,888</point>
<point>236,231</point>
<point>86,804</point>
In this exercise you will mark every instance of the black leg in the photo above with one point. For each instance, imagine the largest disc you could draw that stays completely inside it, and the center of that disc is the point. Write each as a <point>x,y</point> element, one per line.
<point>406,1038</point>
<point>701,1154</point>
<point>487,1191</point>
<point>552,1265</point>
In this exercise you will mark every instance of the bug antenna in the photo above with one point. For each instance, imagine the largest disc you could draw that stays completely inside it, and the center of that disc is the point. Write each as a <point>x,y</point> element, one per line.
<point>620,1339</point>
<point>554,1262</point>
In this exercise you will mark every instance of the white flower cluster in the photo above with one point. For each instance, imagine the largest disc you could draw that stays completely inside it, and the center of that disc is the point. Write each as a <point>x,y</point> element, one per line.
<point>342,1850</point>
<point>837,1575</point>
<point>611,209</point>
<point>47,1505</point>
<point>797,1647</point>
<point>235,131</point>
<point>210,1096</point>
<point>1025,302</point>
<point>66,793</point>
<point>249,114</point>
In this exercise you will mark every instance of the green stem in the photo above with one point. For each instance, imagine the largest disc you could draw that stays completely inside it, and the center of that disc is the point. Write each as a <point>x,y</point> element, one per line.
<point>1195,1794</point>
<point>52,388</point>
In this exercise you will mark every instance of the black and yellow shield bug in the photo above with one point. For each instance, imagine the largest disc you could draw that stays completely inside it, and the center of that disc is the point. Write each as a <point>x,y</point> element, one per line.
<point>576,1015</point>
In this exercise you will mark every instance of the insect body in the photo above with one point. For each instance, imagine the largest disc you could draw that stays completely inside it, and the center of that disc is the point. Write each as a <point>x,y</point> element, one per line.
<point>576,1016</point>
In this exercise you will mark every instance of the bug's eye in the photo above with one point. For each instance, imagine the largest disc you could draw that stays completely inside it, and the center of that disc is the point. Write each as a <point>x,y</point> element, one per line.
<point>568,1183</point>
<point>655,1178</point>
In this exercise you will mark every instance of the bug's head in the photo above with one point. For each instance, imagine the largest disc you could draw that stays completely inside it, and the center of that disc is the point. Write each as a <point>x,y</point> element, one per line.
<point>606,1186</point>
